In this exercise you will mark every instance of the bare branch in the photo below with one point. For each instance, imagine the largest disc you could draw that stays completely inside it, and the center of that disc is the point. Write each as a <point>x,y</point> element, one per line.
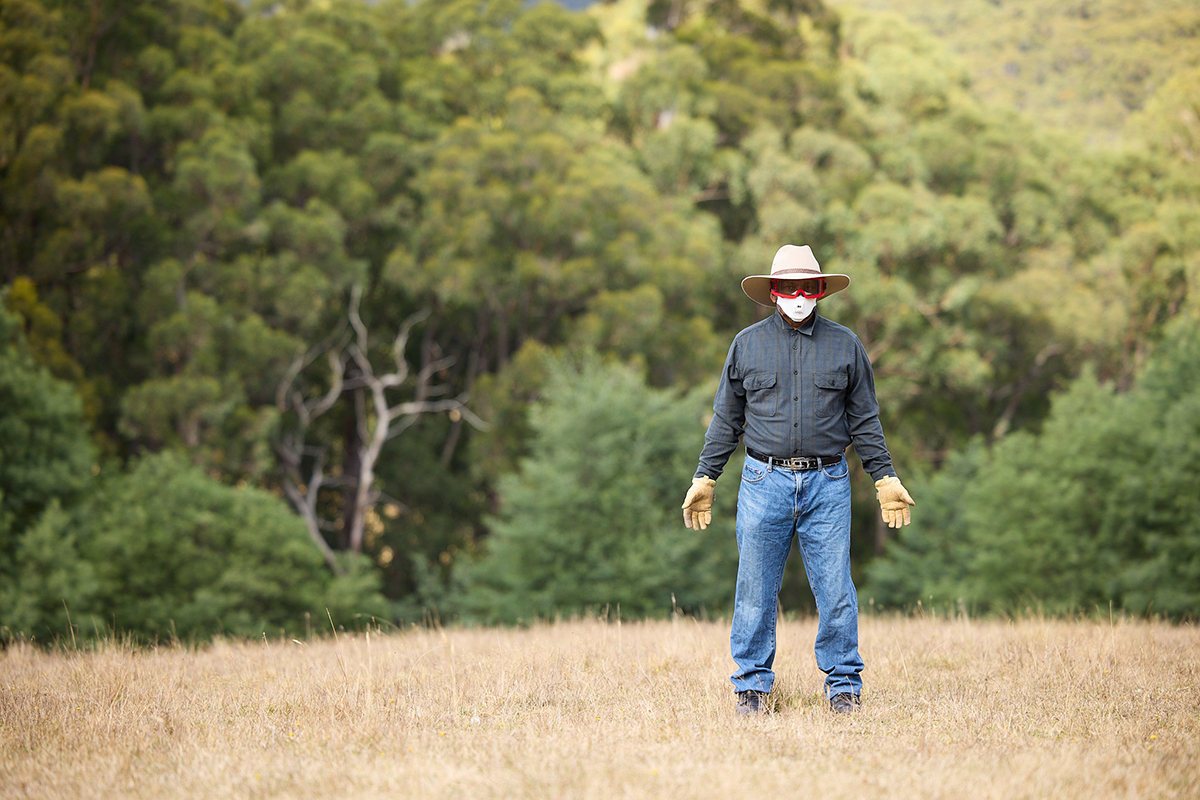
<point>433,367</point>
<point>473,420</point>
<point>289,377</point>
<point>1010,411</point>
<point>330,347</point>
<point>291,448</point>
<point>418,407</point>
<point>401,343</point>
<point>337,369</point>
<point>401,426</point>
<point>302,505</point>
<point>360,358</point>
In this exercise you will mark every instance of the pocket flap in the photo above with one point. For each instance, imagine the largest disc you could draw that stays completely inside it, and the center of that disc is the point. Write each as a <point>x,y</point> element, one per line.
<point>761,380</point>
<point>832,380</point>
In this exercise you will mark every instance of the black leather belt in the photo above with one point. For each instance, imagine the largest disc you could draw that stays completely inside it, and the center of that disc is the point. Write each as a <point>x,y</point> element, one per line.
<point>796,464</point>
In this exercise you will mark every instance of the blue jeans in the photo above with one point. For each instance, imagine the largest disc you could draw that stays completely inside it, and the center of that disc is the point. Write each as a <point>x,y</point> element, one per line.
<point>814,505</point>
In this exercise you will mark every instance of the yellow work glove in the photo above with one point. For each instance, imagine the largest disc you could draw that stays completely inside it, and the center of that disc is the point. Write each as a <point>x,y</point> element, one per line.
<point>894,499</point>
<point>697,506</point>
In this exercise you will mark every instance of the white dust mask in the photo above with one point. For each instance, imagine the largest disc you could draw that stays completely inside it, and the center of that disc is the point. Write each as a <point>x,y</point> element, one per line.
<point>796,308</point>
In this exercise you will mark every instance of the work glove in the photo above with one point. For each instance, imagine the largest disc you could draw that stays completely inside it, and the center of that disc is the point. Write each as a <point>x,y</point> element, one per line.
<point>697,506</point>
<point>894,499</point>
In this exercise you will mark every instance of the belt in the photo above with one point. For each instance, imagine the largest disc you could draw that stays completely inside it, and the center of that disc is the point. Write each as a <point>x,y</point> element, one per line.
<point>796,464</point>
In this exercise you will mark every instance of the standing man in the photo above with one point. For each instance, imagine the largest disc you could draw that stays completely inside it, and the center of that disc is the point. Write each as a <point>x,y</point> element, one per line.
<point>798,389</point>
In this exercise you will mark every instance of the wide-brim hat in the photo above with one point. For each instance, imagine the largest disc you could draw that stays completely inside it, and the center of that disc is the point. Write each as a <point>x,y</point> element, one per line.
<point>791,263</point>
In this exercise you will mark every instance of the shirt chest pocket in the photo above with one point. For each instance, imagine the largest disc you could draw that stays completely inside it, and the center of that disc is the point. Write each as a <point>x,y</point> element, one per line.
<point>831,393</point>
<point>762,397</point>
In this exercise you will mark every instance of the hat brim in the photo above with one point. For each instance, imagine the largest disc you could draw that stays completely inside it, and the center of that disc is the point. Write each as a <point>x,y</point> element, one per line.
<point>758,287</point>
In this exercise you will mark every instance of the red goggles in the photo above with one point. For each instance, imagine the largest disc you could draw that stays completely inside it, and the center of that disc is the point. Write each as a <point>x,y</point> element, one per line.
<point>812,288</point>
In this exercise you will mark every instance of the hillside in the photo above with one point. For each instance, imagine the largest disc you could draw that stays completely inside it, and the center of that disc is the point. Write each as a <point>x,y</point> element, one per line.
<point>1082,66</point>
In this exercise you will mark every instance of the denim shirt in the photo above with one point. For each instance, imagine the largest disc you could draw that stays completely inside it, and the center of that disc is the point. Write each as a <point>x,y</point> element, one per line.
<point>789,392</point>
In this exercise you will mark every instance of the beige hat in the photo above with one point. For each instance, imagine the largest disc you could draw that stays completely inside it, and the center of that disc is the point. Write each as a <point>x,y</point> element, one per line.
<point>791,263</point>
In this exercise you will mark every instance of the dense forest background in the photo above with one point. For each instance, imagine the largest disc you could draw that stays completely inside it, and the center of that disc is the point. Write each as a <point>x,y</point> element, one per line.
<point>1078,66</point>
<point>321,311</point>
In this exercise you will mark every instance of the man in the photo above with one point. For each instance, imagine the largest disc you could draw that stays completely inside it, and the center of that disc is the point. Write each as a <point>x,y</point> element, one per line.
<point>798,389</point>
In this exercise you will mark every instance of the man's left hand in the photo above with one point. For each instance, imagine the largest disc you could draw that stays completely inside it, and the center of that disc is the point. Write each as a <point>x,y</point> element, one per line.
<point>894,501</point>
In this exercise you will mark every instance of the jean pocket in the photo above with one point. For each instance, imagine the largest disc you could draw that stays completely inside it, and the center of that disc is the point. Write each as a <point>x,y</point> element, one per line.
<point>752,474</point>
<point>838,471</point>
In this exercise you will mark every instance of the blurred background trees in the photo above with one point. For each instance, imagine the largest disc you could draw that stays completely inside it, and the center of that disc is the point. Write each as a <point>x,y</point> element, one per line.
<point>227,230</point>
<point>1082,67</point>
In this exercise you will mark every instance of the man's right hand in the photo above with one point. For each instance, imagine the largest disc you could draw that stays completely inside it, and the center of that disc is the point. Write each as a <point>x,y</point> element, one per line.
<point>697,506</point>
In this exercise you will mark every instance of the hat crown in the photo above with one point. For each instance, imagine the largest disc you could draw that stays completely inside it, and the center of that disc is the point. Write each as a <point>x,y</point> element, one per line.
<point>791,259</point>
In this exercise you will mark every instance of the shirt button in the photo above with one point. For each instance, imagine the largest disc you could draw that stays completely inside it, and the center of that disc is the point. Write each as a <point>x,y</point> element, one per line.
<point>795,372</point>
<point>797,397</point>
<point>795,424</point>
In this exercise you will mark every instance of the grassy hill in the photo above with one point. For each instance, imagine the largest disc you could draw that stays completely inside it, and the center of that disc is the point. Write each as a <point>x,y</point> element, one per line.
<point>1082,65</point>
<point>984,710</point>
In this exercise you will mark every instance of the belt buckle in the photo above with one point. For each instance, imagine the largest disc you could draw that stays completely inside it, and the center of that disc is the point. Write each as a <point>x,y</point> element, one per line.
<point>798,464</point>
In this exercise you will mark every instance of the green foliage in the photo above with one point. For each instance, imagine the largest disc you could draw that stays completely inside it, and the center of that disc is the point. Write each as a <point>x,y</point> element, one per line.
<point>1099,506</point>
<point>429,519</point>
<point>163,551</point>
<point>45,454</point>
<point>1082,67</point>
<point>929,560</point>
<point>592,520</point>
<point>1169,123</point>
<point>53,589</point>
<point>175,553</point>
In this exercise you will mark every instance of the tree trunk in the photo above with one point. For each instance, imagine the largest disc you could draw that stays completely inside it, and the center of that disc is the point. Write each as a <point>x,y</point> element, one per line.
<point>364,494</point>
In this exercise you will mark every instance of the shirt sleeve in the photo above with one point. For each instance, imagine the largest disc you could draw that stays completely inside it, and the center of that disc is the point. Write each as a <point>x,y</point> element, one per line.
<point>728,421</point>
<point>862,415</point>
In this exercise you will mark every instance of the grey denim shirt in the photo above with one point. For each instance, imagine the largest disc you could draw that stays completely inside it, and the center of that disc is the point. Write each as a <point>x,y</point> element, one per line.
<point>789,392</point>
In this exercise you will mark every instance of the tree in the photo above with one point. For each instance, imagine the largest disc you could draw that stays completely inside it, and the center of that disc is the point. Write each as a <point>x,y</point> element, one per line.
<point>1098,507</point>
<point>178,554</point>
<point>51,593</point>
<point>45,454</point>
<point>591,520</point>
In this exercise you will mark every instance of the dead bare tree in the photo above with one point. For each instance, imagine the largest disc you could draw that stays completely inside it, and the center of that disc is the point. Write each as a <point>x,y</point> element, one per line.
<point>382,421</point>
<point>378,422</point>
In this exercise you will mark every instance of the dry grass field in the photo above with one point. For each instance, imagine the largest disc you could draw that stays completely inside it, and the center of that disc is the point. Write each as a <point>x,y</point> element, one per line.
<point>952,709</point>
